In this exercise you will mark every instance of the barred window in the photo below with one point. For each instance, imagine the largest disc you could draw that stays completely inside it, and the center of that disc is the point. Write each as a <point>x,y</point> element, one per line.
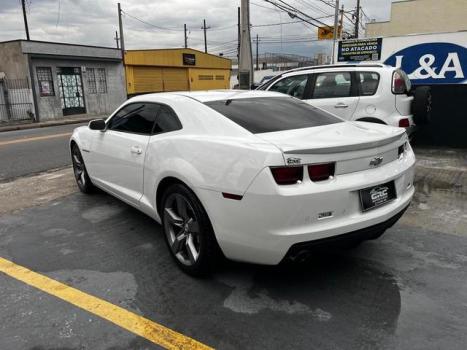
<point>205,77</point>
<point>92,86</point>
<point>45,81</point>
<point>219,77</point>
<point>102,81</point>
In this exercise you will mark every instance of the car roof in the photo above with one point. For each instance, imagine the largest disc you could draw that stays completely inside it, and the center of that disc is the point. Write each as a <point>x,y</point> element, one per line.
<point>207,96</point>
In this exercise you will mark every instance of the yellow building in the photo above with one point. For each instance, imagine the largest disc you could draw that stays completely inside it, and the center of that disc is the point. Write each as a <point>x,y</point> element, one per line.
<point>175,70</point>
<point>421,16</point>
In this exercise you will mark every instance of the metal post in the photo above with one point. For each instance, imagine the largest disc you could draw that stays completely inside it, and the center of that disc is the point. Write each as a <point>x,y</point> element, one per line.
<point>336,24</point>
<point>117,39</point>
<point>357,19</point>
<point>25,19</point>
<point>120,25</point>
<point>257,57</point>
<point>186,38</point>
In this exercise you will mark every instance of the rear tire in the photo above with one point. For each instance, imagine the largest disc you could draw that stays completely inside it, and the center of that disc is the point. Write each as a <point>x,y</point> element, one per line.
<point>421,105</point>
<point>79,170</point>
<point>188,231</point>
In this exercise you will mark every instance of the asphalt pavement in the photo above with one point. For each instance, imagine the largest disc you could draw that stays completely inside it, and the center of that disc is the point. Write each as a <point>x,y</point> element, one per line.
<point>25,152</point>
<point>404,291</point>
<point>75,268</point>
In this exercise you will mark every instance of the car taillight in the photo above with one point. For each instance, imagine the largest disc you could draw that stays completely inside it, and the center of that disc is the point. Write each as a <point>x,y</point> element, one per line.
<point>287,175</point>
<point>398,83</point>
<point>404,123</point>
<point>321,172</point>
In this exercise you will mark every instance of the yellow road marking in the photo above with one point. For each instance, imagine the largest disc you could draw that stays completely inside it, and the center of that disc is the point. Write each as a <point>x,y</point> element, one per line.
<point>36,138</point>
<point>130,321</point>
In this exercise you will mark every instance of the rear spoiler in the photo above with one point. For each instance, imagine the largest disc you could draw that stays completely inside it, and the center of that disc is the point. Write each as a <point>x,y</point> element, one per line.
<point>347,148</point>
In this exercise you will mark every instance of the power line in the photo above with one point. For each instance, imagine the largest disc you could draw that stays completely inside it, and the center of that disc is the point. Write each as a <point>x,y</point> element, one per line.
<point>150,24</point>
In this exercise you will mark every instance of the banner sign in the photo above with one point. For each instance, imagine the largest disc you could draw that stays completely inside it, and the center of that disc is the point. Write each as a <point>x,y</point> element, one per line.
<point>432,63</point>
<point>359,50</point>
<point>327,32</point>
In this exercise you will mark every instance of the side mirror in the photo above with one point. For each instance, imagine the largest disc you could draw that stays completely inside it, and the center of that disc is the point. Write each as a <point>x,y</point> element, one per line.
<point>97,124</point>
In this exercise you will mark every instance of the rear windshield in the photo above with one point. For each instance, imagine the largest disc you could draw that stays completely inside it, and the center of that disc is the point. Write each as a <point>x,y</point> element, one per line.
<point>269,114</point>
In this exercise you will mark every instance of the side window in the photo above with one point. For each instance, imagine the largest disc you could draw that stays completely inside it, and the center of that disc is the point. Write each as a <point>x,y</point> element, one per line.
<point>369,82</point>
<point>135,118</point>
<point>293,86</point>
<point>166,121</point>
<point>331,85</point>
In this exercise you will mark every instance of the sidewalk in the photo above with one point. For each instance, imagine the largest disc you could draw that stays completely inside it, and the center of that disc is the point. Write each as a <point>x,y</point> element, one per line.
<point>442,168</point>
<point>76,119</point>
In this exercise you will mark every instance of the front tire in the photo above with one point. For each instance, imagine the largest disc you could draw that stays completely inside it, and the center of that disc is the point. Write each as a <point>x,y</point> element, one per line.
<point>188,231</point>
<point>79,170</point>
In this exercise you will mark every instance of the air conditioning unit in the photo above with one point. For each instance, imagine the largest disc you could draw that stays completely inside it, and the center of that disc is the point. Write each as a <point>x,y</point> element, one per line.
<point>2,75</point>
<point>83,69</point>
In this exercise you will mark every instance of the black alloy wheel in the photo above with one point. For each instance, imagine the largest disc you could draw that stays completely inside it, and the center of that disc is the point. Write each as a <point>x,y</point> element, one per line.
<point>79,169</point>
<point>188,231</point>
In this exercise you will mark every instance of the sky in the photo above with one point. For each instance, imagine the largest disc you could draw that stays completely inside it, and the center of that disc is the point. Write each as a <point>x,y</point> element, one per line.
<point>159,23</point>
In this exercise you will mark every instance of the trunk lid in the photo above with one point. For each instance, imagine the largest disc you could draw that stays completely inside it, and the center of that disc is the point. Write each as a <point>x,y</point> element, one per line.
<point>352,145</point>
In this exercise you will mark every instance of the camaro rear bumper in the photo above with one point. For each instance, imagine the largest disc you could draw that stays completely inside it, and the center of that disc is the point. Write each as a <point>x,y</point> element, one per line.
<point>372,232</point>
<point>269,220</point>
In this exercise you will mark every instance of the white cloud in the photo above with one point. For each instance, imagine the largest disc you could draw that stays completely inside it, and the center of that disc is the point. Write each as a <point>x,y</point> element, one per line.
<point>94,22</point>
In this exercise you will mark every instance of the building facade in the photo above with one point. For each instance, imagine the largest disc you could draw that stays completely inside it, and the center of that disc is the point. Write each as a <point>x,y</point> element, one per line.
<point>46,81</point>
<point>421,16</point>
<point>175,70</point>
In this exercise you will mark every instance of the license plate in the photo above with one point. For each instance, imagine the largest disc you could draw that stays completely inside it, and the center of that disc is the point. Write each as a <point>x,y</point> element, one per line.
<point>376,196</point>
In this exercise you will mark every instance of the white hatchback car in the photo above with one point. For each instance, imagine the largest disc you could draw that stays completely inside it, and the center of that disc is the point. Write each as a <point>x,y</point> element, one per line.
<point>259,176</point>
<point>364,92</point>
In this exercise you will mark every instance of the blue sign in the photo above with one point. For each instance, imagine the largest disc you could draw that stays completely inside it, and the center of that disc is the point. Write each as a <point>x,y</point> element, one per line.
<point>432,63</point>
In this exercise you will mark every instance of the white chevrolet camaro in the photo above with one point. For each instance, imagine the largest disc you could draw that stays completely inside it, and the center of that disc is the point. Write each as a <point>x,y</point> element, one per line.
<point>253,176</point>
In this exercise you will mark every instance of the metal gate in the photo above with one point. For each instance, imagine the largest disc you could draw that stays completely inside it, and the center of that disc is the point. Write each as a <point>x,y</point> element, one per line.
<point>15,100</point>
<point>71,90</point>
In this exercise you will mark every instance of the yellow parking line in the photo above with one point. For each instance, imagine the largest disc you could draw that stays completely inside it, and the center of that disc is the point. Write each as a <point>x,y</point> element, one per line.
<point>130,321</point>
<point>36,138</point>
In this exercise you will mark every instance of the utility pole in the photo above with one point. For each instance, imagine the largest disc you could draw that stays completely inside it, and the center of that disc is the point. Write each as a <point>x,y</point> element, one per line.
<point>205,40</point>
<point>341,23</point>
<point>25,19</point>
<point>336,31</point>
<point>245,63</point>
<point>357,19</point>
<point>257,56</point>
<point>186,38</point>
<point>120,25</point>
<point>117,39</point>
<point>239,35</point>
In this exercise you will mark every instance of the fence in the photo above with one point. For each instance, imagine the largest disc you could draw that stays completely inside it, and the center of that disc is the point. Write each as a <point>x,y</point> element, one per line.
<point>15,100</point>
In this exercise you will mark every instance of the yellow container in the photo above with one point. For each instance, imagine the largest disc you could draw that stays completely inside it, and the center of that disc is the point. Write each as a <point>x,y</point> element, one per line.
<point>175,70</point>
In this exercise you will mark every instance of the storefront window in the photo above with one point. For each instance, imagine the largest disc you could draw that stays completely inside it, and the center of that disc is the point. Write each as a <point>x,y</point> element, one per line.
<point>92,86</point>
<point>102,81</point>
<point>45,81</point>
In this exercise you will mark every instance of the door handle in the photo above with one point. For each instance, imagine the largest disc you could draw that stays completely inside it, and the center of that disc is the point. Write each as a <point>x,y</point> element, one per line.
<point>136,150</point>
<point>341,105</point>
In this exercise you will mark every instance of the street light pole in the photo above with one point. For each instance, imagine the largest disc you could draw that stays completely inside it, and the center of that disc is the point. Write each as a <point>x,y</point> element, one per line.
<point>336,31</point>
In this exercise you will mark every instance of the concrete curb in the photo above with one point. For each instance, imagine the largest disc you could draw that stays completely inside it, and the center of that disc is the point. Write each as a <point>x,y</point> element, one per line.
<point>44,124</point>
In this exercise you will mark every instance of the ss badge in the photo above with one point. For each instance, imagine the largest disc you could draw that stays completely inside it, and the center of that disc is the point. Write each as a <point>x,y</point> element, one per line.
<point>293,161</point>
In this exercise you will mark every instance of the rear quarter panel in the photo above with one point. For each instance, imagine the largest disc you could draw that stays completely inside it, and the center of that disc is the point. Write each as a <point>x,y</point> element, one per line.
<point>221,164</point>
